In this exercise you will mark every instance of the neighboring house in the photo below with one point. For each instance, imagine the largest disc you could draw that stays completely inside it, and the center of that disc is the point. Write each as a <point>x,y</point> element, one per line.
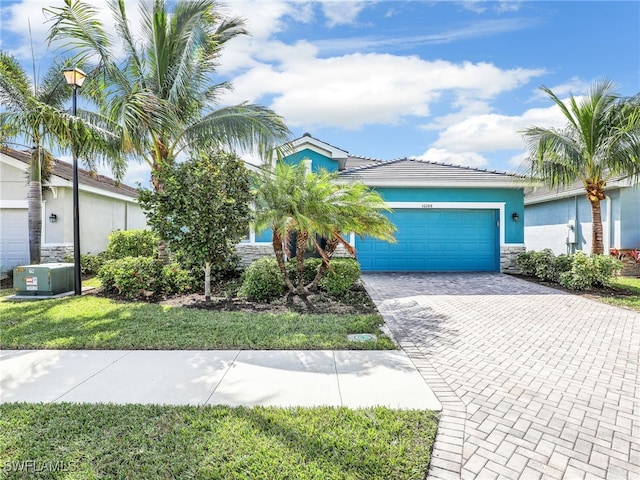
<point>561,219</point>
<point>104,207</point>
<point>449,218</point>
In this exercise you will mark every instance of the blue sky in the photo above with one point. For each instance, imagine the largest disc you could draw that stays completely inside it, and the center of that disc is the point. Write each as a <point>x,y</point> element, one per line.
<point>446,81</point>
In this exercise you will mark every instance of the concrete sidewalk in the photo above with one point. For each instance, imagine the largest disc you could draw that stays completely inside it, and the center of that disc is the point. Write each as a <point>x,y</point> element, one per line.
<point>230,377</point>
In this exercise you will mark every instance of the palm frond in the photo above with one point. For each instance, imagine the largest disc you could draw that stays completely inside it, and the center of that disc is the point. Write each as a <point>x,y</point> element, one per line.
<point>244,127</point>
<point>78,23</point>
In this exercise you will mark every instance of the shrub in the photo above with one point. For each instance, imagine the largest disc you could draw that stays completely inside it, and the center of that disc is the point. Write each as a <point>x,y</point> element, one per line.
<point>587,271</point>
<point>89,264</point>
<point>132,276</point>
<point>311,266</point>
<point>261,281</point>
<point>132,243</point>
<point>342,274</point>
<point>526,263</point>
<point>176,279</point>
<point>559,265</point>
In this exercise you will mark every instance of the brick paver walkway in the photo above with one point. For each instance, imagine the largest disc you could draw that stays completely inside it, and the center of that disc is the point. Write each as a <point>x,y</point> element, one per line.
<point>535,383</point>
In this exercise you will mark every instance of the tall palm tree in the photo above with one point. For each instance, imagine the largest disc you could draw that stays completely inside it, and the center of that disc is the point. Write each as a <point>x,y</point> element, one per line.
<point>161,93</point>
<point>601,140</point>
<point>36,112</point>
<point>291,201</point>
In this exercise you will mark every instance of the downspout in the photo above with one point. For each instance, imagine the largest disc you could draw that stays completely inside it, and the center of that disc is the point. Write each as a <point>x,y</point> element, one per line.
<point>577,220</point>
<point>610,220</point>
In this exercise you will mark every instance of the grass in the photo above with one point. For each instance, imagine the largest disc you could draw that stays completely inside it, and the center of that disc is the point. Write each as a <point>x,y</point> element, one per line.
<point>90,322</point>
<point>630,293</point>
<point>74,441</point>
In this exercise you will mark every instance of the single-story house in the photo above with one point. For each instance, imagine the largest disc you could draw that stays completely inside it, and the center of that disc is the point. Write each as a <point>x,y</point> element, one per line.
<point>449,218</point>
<point>104,207</point>
<point>560,219</point>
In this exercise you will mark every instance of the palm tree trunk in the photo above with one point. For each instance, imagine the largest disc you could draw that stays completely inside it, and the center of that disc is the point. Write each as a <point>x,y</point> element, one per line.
<point>279,252</point>
<point>597,243</point>
<point>301,243</point>
<point>34,204</point>
<point>329,249</point>
<point>163,252</point>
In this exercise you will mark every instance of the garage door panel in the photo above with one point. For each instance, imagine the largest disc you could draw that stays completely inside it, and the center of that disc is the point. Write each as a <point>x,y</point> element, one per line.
<point>14,234</point>
<point>435,240</point>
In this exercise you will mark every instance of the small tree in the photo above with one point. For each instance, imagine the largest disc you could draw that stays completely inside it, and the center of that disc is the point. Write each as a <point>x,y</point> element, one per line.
<point>203,210</point>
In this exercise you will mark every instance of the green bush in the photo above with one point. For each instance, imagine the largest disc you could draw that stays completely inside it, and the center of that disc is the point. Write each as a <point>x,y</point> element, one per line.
<point>587,271</point>
<point>559,265</point>
<point>311,266</point>
<point>526,264</point>
<point>261,281</point>
<point>176,279</point>
<point>132,276</point>
<point>132,243</point>
<point>89,264</point>
<point>341,276</point>
<point>543,265</point>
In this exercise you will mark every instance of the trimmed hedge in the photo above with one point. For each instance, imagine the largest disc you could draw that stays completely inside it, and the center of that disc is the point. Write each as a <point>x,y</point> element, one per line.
<point>343,273</point>
<point>261,281</point>
<point>577,272</point>
<point>134,277</point>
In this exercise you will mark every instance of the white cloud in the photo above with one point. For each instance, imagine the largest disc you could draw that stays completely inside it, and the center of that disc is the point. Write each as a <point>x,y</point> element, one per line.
<point>353,90</point>
<point>17,18</point>
<point>575,86</point>
<point>342,13</point>
<point>469,159</point>
<point>490,132</point>
<point>518,161</point>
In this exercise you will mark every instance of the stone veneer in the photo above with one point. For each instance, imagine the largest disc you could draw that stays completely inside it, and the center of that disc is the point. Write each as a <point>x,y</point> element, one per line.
<point>55,253</point>
<point>508,256</point>
<point>249,252</point>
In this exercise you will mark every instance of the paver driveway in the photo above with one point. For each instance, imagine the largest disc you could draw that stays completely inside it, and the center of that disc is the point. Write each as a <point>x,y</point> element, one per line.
<point>535,383</point>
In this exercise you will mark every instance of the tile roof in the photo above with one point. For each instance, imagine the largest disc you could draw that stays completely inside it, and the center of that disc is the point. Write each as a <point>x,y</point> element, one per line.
<point>64,170</point>
<point>414,172</point>
<point>355,161</point>
<point>544,193</point>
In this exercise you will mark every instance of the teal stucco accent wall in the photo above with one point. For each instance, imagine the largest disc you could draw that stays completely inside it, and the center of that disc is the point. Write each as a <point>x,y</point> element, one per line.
<point>512,197</point>
<point>318,161</point>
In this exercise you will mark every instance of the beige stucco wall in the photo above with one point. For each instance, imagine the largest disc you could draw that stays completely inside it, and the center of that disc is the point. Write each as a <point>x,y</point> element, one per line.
<point>14,183</point>
<point>99,216</point>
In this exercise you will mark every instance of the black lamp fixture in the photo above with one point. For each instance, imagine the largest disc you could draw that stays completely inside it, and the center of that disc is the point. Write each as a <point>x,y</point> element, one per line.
<point>515,216</point>
<point>53,218</point>
<point>75,77</point>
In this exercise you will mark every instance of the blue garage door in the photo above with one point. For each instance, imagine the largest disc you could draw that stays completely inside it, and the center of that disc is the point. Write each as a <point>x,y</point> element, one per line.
<point>435,241</point>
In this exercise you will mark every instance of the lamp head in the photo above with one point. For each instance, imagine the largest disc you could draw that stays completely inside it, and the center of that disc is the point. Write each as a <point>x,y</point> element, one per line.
<point>74,76</point>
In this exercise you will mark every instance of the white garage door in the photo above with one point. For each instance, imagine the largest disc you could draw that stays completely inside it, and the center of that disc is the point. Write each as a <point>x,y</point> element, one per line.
<point>14,238</point>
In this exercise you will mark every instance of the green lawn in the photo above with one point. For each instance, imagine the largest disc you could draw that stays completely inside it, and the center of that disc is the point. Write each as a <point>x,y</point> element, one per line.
<point>90,322</point>
<point>84,441</point>
<point>631,287</point>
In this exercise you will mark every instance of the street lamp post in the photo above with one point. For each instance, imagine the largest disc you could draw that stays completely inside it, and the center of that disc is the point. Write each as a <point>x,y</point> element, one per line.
<point>75,77</point>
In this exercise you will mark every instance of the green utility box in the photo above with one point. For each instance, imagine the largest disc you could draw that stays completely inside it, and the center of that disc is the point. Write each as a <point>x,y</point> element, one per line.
<point>43,280</point>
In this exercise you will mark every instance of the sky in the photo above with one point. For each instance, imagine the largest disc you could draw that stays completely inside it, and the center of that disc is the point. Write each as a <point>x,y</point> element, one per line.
<point>445,81</point>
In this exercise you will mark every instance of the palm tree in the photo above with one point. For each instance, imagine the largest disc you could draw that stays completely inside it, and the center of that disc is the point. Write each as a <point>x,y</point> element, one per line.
<point>161,93</point>
<point>291,201</point>
<point>601,140</point>
<point>360,210</point>
<point>36,111</point>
